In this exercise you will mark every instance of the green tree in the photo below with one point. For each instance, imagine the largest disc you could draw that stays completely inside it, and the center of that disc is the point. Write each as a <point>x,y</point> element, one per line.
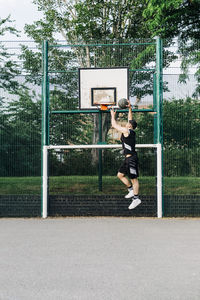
<point>181,123</point>
<point>21,136</point>
<point>181,137</point>
<point>173,18</point>
<point>19,116</point>
<point>177,19</point>
<point>8,68</point>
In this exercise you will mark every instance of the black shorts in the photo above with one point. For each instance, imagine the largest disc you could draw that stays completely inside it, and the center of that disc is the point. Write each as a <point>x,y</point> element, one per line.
<point>130,167</point>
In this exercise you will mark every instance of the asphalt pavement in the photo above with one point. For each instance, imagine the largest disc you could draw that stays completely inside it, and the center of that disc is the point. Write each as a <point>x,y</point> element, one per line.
<point>105,258</point>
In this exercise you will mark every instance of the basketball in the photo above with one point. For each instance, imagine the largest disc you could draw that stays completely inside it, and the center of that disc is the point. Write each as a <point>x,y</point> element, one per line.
<point>123,103</point>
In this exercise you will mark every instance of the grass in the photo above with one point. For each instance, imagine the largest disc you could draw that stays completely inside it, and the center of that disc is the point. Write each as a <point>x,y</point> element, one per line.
<point>89,185</point>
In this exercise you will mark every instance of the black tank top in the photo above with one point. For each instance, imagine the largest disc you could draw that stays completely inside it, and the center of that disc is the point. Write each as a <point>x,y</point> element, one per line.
<point>128,143</point>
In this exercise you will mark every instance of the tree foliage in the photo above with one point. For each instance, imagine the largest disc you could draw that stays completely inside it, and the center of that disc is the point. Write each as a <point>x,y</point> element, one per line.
<point>185,132</point>
<point>177,19</point>
<point>21,136</point>
<point>173,18</point>
<point>8,68</point>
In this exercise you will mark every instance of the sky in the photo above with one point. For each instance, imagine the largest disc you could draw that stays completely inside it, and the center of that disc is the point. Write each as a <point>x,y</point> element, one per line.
<point>22,11</point>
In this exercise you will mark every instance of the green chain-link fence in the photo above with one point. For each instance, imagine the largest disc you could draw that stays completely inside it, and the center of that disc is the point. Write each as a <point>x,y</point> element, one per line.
<point>73,172</point>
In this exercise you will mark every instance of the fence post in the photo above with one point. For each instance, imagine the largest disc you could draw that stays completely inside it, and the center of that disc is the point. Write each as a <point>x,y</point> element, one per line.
<point>45,131</point>
<point>159,128</point>
<point>100,152</point>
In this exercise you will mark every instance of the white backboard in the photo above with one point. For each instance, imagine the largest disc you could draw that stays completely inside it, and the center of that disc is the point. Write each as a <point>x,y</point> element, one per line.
<point>97,82</point>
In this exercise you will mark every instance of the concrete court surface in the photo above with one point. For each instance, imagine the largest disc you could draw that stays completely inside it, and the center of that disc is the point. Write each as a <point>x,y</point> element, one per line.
<point>99,258</point>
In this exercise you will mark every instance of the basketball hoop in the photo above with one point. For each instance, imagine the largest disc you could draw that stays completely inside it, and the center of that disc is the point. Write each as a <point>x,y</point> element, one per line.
<point>103,107</point>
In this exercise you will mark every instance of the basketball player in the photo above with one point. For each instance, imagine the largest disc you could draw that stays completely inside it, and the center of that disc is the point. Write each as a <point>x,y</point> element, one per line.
<point>130,165</point>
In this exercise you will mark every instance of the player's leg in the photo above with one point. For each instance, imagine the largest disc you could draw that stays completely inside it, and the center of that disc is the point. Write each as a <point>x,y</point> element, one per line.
<point>133,175</point>
<point>122,172</point>
<point>122,177</point>
<point>135,184</point>
<point>127,183</point>
<point>135,200</point>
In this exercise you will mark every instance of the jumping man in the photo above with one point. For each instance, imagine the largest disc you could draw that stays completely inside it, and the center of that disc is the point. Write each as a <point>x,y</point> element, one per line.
<point>130,165</point>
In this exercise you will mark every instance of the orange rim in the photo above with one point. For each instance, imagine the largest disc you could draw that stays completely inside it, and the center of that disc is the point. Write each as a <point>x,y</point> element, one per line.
<point>104,107</point>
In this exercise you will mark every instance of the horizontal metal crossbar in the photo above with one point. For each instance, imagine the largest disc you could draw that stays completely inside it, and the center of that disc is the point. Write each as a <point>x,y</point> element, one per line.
<point>100,45</point>
<point>76,71</point>
<point>98,146</point>
<point>96,111</point>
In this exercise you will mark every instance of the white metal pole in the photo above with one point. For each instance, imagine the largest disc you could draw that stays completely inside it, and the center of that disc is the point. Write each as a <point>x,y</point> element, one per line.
<point>45,182</point>
<point>159,180</point>
<point>97,146</point>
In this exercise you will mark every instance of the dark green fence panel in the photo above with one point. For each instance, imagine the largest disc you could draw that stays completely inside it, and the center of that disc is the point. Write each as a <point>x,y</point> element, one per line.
<point>20,138</point>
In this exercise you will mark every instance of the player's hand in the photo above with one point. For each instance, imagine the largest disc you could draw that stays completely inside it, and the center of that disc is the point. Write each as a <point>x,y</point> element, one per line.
<point>112,112</point>
<point>129,103</point>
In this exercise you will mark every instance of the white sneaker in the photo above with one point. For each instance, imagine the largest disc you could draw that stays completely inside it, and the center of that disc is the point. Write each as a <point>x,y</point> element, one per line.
<point>134,203</point>
<point>130,194</point>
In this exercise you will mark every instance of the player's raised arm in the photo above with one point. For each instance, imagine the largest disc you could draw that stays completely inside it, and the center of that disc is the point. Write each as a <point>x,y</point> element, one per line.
<point>115,124</point>
<point>130,115</point>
